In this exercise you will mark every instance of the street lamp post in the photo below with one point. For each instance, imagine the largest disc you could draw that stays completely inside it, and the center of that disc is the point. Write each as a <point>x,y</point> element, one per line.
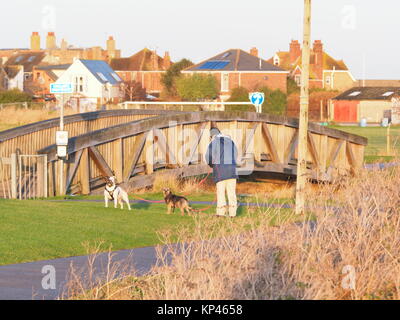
<point>302,174</point>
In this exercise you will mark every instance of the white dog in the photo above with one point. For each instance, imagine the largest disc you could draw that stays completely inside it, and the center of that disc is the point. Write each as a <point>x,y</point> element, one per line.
<point>113,192</point>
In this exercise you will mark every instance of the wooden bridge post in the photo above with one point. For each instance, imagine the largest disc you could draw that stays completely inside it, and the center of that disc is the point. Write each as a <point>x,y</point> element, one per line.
<point>118,159</point>
<point>85,172</point>
<point>149,152</point>
<point>40,177</point>
<point>180,143</point>
<point>13,176</point>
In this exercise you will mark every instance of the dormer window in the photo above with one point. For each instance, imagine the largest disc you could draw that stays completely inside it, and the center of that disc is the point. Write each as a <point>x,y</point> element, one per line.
<point>297,78</point>
<point>388,94</point>
<point>355,94</point>
<point>276,60</point>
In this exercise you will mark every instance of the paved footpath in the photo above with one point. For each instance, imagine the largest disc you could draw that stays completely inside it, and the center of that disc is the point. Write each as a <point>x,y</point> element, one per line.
<point>24,281</point>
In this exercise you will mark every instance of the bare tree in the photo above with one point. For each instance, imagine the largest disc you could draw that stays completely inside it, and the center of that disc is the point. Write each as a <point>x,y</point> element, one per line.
<point>133,91</point>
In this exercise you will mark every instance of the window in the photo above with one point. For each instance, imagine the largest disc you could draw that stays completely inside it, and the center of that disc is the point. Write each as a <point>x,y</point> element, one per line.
<point>328,80</point>
<point>225,82</point>
<point>31,58</point>
<point>297,78</point>
<point>116,77</point>
<point>79,84</point>
<point>276,60</point>
<point>355,94</point>
<point>387,94</point>
<point>102,76</point>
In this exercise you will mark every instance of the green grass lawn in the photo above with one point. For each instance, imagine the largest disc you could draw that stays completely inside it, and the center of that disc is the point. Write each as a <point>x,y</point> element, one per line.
<point>39,230</point>
<point>376,149</point>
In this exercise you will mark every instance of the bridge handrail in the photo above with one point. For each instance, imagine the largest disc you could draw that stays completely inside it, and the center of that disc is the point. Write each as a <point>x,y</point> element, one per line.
<point>136,127</point>
<point>51,123</point>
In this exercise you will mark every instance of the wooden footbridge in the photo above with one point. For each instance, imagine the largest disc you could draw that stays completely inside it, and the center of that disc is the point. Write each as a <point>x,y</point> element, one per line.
<point>138,145</point>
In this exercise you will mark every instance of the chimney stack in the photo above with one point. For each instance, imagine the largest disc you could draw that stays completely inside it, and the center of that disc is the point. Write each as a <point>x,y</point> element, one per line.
<point>35,41</point>
<point>51,41</point>
<point>295,51</point>
<point>111,44</point>
<point>254,52</point>
<point>166,60</point>
<point>318,49</point>
<point>64,44</point>
<point>154,60</point>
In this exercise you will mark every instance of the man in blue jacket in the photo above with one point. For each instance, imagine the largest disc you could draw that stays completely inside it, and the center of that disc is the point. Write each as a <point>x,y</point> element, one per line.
<point>221,155</point>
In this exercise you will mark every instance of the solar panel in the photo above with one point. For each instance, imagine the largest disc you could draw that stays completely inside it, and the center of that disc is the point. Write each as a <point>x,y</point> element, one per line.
<point>214,65</point>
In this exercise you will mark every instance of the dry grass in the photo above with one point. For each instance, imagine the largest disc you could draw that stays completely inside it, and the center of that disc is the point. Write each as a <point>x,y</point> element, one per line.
<point>184,186</point>
<point>15,117</point>
<point>357,229</point>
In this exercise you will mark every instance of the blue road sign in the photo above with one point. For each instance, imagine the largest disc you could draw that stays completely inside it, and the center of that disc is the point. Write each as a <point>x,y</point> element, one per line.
<point>61,88</point>
<point>257,98</point>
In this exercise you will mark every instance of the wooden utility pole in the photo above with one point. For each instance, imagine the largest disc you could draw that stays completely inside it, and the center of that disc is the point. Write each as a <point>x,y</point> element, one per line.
<point>304,102</point>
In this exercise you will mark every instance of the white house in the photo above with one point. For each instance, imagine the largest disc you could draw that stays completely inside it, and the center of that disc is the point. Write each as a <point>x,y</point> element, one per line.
<point>93,81</point>
<point>15,78</point>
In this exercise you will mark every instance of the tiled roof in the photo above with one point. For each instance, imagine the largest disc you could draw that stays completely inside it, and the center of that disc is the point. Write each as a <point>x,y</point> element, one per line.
<point>28,60</point>
<point>12,71</point>
<point>140,61</point>
<point>329,63</point>
<point>369,93</point>
<point>234,60</point>
<point>52,75</point>
<point>55,67</point>
<point>102,71</point>
<point>378,83</point>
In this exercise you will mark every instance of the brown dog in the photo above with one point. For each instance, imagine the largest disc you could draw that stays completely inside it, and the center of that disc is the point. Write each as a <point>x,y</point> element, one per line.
<point>174,201</point>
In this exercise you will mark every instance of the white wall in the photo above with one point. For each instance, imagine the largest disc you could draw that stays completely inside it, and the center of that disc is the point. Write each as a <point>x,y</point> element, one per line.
<point>17,82</point>
<point>92,88</point>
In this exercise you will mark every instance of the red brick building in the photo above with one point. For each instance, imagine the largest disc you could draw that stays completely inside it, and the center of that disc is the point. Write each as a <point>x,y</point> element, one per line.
<point>145,67</point>
<point>237,68</point>
<point>325,71</point>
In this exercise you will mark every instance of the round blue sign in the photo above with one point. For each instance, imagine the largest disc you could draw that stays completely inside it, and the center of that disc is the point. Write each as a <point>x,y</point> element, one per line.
<point>257,98</point>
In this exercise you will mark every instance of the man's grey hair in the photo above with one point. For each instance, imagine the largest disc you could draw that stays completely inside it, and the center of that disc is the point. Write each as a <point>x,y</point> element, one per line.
<point>214,132</point>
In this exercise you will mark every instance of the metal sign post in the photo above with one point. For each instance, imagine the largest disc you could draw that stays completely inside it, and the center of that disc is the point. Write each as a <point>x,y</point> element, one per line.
<point>61,136</point>
<point>257,99</point>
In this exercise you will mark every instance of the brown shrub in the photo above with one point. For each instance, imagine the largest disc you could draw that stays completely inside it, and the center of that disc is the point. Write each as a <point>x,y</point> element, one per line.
<point>293,106</point>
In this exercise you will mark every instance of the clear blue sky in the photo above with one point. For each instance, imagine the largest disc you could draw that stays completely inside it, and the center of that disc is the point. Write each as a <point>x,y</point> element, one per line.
<point>362,32</point>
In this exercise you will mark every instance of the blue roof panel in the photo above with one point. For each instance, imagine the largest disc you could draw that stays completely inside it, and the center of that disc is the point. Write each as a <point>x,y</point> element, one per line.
<point>102,71</point>
<point>214,65</point>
